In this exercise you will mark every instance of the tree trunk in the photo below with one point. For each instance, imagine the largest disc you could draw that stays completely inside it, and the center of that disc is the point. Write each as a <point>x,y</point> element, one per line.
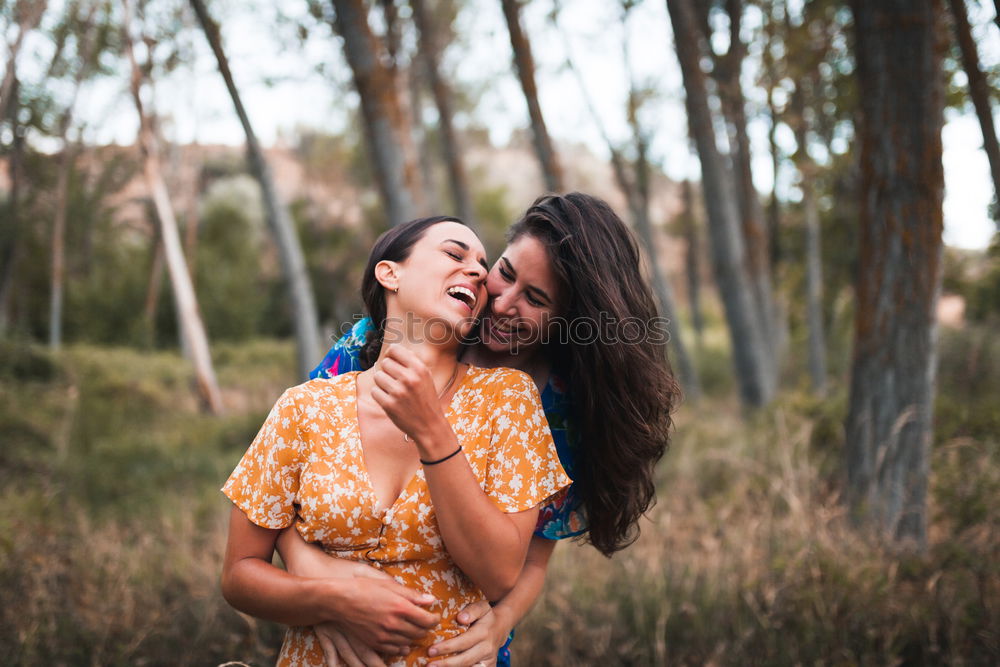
<point>192,328</point>
<point>387,130</point>
<point>282,226</point>
<point>814,286</point>
<point>692,262</point>
<point>525,65</point>
<point>889,420</point>
<point>661,286</point>
<point>753,224</point>
<point>429,49</point>
<point>29,13</point>
<point>750,355</point>
<point>153,290</point>
<point>66,160</point>
<point>426,171</point>
<point>814,265</point>
<point>979,89</point>
<point>12,234</point>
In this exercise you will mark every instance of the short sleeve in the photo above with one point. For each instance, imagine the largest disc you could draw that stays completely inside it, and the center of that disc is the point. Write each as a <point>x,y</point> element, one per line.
<point>344,356</point>
<point>265,483</point>
<point>524,468</point>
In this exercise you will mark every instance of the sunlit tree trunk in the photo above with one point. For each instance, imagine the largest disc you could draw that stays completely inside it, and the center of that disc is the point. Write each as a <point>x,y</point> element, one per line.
<point>751,358</point>
<point>888,428</point>
<point>979,89</point>
<point>429,50</point>
<point>524,63</point>
<point>282,226</point>
<point>387,129</point>
<point>192,327</point>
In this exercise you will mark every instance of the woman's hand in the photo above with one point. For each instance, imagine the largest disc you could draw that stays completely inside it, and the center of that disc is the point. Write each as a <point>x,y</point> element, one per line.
<point>476,646</point>
<point>340,649</point>
<point>405,390</point>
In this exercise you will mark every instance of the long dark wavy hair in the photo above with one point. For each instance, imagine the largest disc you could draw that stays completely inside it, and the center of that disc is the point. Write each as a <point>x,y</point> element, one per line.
<point>393,245</point>
<point>622,394</point>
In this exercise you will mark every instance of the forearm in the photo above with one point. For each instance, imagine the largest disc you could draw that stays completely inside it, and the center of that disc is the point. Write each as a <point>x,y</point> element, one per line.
<point>515,605</point>
<point>488,544</point>
<point>309,560</point>
<point>260,589</point>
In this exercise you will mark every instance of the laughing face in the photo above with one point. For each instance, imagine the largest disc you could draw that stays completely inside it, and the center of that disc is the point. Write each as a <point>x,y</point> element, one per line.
<point>441,282</point>
<point>524,298</point>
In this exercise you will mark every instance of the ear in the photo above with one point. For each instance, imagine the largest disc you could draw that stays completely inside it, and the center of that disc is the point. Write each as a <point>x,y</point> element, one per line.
<point>387,274</point>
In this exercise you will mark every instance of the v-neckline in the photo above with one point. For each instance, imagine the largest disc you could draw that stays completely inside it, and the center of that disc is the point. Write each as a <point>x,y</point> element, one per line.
<point>363,464</point>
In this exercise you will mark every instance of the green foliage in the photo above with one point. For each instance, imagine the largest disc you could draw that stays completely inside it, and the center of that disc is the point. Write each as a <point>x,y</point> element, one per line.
<point>113,528</point>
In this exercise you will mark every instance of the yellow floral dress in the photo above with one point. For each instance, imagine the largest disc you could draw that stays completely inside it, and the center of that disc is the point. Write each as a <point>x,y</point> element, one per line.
<point>306,467</point>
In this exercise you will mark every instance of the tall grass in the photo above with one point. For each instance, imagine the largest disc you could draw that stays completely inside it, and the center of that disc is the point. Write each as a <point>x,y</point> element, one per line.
<point>112,528</point>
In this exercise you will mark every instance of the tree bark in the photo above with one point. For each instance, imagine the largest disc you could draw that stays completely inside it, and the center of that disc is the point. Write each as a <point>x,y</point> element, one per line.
<point>387,130</point>
<point>888,428</point>
<point>192,327</point>
<point>525,65</point>
<point>751,359</point>
<point>429,49</point>
<point>979,89</point>
<point>282,226</point>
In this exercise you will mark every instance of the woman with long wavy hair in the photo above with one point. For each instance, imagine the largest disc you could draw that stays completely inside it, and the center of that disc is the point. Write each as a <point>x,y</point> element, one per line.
<point>568,306</point>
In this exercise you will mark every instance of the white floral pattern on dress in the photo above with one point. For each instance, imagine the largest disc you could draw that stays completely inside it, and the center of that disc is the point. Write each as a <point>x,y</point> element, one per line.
<point>306,467</point>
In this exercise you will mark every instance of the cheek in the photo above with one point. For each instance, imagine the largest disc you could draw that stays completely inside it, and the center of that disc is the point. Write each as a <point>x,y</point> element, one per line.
<point>494,285</point>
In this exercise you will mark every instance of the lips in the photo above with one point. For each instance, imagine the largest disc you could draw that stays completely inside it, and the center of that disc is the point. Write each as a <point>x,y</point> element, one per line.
<point>499,332</point>
<point>464,295</point>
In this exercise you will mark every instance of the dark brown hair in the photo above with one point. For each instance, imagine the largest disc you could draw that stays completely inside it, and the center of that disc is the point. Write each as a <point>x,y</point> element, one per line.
<point>393,245</point>
<point>622,394</point>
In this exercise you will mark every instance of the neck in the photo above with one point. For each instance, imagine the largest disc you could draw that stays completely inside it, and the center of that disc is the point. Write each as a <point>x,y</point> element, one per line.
<point>440,358</point>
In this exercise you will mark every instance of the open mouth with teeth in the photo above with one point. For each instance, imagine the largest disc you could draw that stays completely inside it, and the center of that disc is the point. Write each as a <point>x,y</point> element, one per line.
<point>463,294</point>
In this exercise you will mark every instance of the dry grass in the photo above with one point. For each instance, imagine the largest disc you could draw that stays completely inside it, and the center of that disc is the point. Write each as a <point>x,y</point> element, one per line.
<point>112,533</point>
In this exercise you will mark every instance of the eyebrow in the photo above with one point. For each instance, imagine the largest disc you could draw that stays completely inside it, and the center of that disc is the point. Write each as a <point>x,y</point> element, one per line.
<point>539,292</point>
<point>465,246</point>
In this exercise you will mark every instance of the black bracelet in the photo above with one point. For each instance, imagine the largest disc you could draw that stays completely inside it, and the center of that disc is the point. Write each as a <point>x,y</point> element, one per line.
<point>442,460</point>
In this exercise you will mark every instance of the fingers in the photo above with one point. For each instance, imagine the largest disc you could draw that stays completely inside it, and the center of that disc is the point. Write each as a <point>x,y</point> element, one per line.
<point>345,650</point>
<point>473,612</point>
<point>329,649</point>
<point>368,656</point>
<point>473,658</point>
<point>470,639</point>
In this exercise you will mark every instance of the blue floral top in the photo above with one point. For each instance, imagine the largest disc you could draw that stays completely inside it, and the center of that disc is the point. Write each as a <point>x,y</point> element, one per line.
<point>563,516</point>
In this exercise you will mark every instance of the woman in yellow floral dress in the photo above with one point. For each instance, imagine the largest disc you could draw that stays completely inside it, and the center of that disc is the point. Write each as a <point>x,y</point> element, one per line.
<point>429,469</point>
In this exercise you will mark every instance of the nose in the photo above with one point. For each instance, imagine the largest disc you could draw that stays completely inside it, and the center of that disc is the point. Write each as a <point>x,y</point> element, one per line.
<point>503,303</point>
<point>476,271</point>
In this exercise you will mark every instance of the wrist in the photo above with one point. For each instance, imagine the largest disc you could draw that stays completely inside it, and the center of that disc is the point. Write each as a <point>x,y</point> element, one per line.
<point>326,598</point>
<point>437,441</point>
